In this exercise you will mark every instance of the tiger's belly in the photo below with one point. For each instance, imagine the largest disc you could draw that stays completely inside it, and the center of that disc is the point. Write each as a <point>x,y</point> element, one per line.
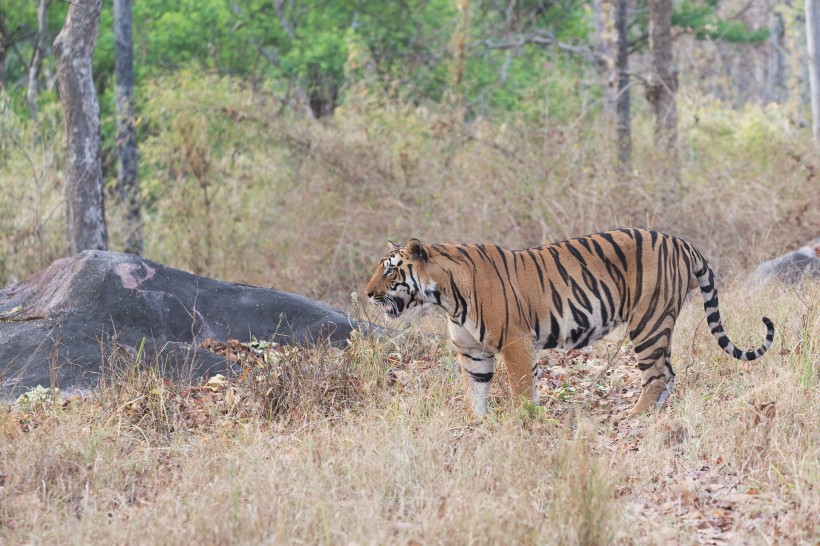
<point>561,332</point>
<point>574,331</point>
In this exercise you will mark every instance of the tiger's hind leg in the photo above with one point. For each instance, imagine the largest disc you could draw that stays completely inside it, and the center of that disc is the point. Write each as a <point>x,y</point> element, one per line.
<point>670,379</point>
<point>657,378</point>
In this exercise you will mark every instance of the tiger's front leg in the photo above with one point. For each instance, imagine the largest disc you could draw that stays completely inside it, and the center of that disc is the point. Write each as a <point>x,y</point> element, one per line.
<point>477,371</point>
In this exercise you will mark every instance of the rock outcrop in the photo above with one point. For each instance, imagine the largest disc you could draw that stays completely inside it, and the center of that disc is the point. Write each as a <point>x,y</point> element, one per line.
<point>64,322</point>
<point>791,267</point>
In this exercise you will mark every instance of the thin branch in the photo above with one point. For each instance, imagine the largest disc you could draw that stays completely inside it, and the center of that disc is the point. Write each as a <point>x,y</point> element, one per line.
<point>269,56</point>
<point>544,38</point>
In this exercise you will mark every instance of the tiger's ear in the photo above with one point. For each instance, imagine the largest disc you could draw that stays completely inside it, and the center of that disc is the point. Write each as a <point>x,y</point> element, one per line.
<point>416,250</point>
<point>393,246</point>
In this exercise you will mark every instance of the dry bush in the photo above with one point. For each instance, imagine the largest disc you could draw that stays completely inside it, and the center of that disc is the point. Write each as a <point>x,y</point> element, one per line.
<point>31,200</point>
<point>238,188</point>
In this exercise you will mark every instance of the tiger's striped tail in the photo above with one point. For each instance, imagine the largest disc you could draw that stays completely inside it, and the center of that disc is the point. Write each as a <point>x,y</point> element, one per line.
<point>706,280</point>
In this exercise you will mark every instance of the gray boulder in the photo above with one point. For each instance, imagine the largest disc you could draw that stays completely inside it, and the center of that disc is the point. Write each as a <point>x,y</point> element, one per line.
<point>67,321</point>
<point>790,268</point>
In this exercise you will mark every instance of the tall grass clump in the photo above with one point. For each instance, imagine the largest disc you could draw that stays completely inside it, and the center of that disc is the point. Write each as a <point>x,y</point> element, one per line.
<point>585,508</point>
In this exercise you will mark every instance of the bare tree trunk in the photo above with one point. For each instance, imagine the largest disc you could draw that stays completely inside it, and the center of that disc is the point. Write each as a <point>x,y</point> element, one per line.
<point>622,101</point>
<point>40,45</point>
<point>3,51</point>
<point>6,41</point>
<point>663,82</point>
<point>85,204</point>
<point>813,40</point>
<point>288,26</point>
<point>602,45</point>
<point>775,82</point>
<point>127,186</point>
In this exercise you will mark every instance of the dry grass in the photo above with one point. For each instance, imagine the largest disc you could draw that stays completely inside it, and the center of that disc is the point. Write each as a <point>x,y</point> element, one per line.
<point>732,458</point>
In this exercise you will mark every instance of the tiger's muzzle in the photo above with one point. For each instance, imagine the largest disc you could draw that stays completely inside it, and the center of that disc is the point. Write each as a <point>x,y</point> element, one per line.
<point>393,307</point>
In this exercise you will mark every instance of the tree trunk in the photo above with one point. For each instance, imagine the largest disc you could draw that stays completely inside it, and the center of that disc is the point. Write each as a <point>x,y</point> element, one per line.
<point>622,104</point>
<point>602,45</point>
<point>663,82</point>
<point>3,51</point>
<point>37,61</point>
<point>813,40</point>
<point>127,186</point>
<point>5,45</point>
<point>776,80</point>
<point>85,205</point>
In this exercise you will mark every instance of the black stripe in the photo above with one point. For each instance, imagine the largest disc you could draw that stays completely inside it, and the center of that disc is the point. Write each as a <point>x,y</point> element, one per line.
<point>650,341</point>
<point>503,259</point>
<point>574,252</point>
<point>591,282</point>
<point>609,300</point>
<point>460,301</point>
<point>618,252</point>
<point>466,255</point>
<point>580,318</point>
<point>585,339</point>
<point>555,332</point>
<point>538,269</point>
<point>580,295</point>
<point>557,302</point>
<point>737,353</point>
<point>653,378</point>
<point>638,267</point>
<point>561,270</point>
<point>653,235</point>
<point>484,377</point>
<point>484,253</point>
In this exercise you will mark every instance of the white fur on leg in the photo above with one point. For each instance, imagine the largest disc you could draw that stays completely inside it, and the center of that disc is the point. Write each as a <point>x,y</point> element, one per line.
<point>479,376</point>
<point>479,397</point>
<point>536,399</point>
<point>670,384</point>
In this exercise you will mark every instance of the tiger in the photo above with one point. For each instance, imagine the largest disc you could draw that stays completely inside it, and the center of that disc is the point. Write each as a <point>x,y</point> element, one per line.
<point>568,294</point>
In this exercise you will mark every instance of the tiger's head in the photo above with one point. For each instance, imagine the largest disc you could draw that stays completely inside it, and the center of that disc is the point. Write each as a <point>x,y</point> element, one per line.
<point>399,281</point>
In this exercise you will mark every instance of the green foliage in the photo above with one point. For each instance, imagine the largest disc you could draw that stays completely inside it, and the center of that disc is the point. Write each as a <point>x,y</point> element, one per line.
<point>38,397</point>
<point>702,19</point>
<point>530,413</point>
<point>402,50</point>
